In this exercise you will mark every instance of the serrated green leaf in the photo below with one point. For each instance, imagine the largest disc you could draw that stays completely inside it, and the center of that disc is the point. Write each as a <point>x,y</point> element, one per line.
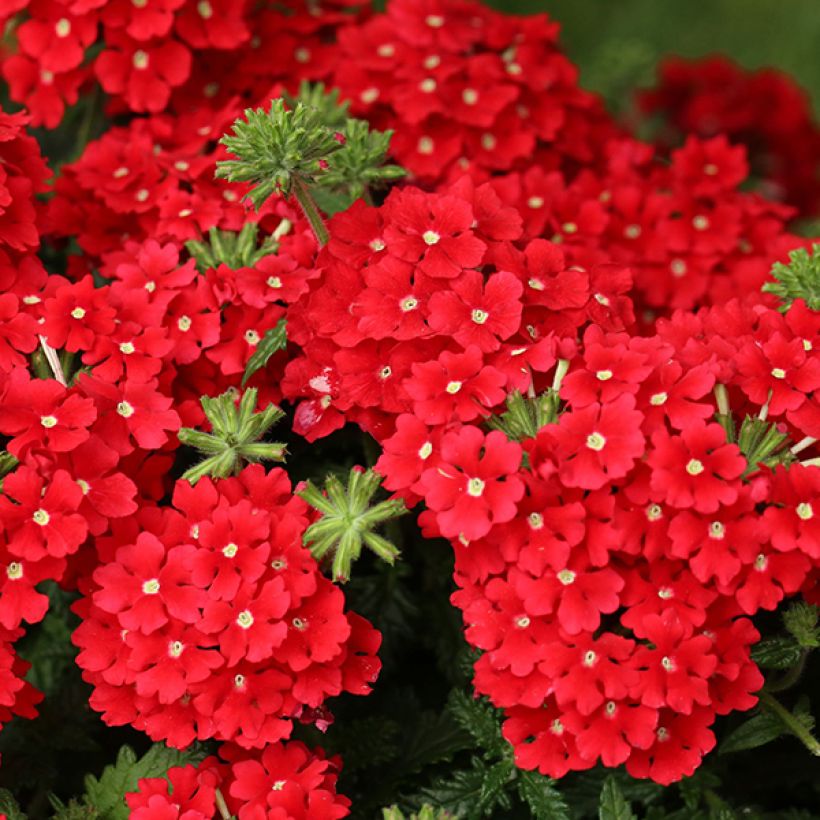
<point>459,793</point>
<point>612,804</point>
<point>757,731</point>
<point>544,800</point>
<point>435,737</point>
<point>107,794</point>
<point>274,340</point>
<point>479,718</point>
<point>777,653</point>
<point>801,621</point>
<point>494,787</point>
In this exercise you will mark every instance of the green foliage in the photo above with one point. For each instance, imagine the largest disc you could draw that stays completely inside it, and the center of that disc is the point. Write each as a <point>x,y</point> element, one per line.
<point>541,796</point>
<point>801,620</point>
<point>612,804</point>
<point>347,521</point>
<point>234,440</point>
<point>9,806</point>
<point>331,112</point>
<point>757,731</point>
<point>274,148</point>
<point>360,165</point>
<point>800,279</point>
<point>763,443</point>
<point>274,340</point>
<point>236,250</point>
<point>106,794</point>
<point>478,717</point>
<point>425,812</point>
<point>525,416</point>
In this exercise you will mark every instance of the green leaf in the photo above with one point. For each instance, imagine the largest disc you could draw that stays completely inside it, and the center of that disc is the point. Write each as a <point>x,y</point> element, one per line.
<point>107,794</point>
<point>544,800</point>
<point>480,719</point>
<point>777,653</point>
<point>274,340</point>
<point>494,787</point>
<point>757,731</point>
<point>612,804</point>
<point>801,621</point>
<point>10,807</point>
<point>435,737</point>
<point>459,793</point>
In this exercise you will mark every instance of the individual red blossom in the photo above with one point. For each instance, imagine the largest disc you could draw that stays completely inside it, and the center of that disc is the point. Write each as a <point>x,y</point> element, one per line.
<point>542,741</point>
<point>697,469</point>
<point>76,315</point>
<point>479,312</point>
<point>55,37</point>
<point>681,741</point>
<point>169,660</point>
<point>247,704</point>
<point>129,410</point>
<point>18,333</point>
<point>250,625</point>
<point>476,485</point>
<point>19,599</point>
<point>187,792</point>
<point>455,386</point>
<point>288,781</point>
<point>497,622</point>
<point>675,671</point>
<point>433,232</point>
<point>716,546</point>
<point>144,73</point>
<point>597,443</point>
<point>274,278</point>
<point>213,24</point>
<point>586,672</point>
<point>233,549</point>
<point>44,520</point>
<point>317,629</point>
<point>671,392</point>
<point>792,515</point>
<point>394,303</point>
<point>148,584</point>
<point>407,453</point>
<point>709,168</point>
<point>773,575</point>
<point>141,21</point>
<point>577,594</point>
<point>778,372</point>
<point>610,369</point>
<point>613,730</point>
<point>41,413</point>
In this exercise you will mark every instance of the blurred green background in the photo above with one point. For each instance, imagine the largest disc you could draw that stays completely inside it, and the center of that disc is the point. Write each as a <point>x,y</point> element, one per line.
<point>617,43</point>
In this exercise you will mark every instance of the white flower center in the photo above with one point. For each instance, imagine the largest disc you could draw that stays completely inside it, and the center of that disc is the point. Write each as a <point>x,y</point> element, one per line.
<point>695,467</point>
<point>595,441</point>
<point>245,619</point>
<point>48,421</point>
<point>150,587</point>
<point>431,237</point>
<point>475,487</point>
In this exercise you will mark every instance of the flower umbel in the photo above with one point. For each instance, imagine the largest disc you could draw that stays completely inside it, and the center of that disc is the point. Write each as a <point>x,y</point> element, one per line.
<point>348,520</point>
<point>236,430</point>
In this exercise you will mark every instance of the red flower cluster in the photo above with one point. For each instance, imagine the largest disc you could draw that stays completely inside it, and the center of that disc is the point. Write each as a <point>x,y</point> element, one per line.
<point>763,110</point>
<point>166,54</point>
<point>469,90</point>
<point>636,508</point>
<point>607,562</point>
<point>211,620</point>
<point>286,780</point>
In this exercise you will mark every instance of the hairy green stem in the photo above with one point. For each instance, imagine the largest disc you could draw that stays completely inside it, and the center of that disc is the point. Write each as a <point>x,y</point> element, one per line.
<point>311,211</point>
<point>791,723</point>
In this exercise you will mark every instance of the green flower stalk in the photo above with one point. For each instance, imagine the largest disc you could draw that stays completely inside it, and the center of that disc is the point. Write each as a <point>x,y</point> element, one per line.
<point>280,150</point>
<point>348,521</point>
<point>234,440</point>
